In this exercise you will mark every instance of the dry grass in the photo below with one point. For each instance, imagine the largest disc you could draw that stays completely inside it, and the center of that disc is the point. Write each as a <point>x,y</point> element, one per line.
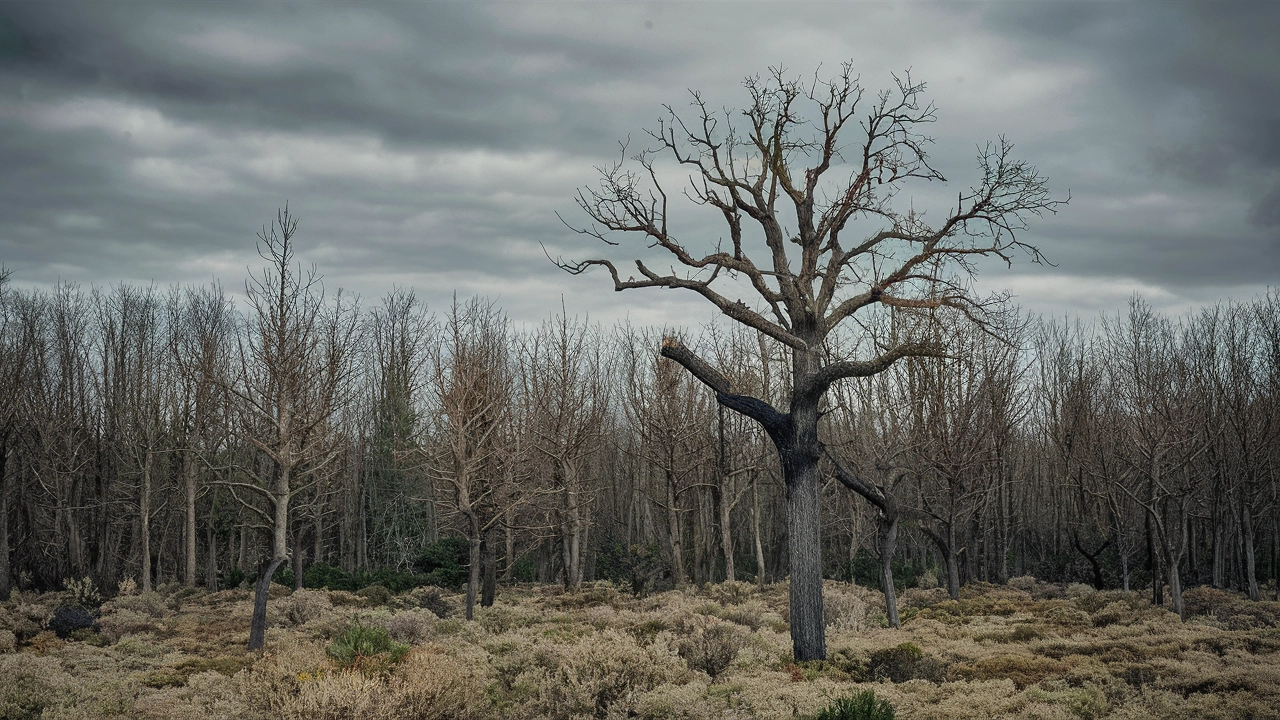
<point>1023,650</point>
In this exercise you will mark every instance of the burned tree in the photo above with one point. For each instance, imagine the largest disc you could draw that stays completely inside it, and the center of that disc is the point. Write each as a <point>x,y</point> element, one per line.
<point>803,186</point>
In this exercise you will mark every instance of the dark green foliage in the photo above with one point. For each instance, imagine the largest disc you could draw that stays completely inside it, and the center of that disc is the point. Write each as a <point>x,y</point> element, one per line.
<point>863,706</point>
<point>67,620</point>
<point>367,648</point>
<point>375,594</point>
<point>445,562</point>
<point>232,577</point>
<point>524,569</point>
<point>902,663</point>
<point>283,576</point>
<point>323,575</point>
<point>634,566</point>
<point>864,569</point>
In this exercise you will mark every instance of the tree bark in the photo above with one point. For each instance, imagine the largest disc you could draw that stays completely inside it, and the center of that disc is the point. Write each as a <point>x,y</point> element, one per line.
<point>189,476</point>
<point>755,529</point>
<point>888,542</point>
<point>261,590</point>
<point>144,521</point>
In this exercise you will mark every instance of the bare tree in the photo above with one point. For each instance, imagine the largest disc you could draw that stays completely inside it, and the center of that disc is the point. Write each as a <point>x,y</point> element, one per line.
<point>776,172</point>
<point>565,387</point>
<point>472,389</point>
<point>294,369</point>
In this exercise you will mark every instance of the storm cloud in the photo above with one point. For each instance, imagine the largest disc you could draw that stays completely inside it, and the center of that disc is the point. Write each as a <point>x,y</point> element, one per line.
<point>432,144</point>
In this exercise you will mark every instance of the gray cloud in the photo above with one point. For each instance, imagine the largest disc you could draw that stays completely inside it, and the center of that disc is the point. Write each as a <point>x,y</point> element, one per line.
<point>431,144</point>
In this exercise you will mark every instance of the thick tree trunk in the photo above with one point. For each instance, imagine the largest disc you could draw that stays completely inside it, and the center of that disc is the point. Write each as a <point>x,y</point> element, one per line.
<point>804,544</point>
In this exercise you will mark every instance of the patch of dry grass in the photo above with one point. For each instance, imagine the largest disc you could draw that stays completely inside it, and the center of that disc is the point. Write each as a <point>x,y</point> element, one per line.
<point>1027,649</point>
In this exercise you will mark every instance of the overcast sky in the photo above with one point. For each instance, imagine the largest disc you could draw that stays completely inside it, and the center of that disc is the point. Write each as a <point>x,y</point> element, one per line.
<point>431,144</point>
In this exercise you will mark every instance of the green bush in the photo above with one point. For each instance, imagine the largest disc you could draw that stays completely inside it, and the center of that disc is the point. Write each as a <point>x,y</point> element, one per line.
<point>367,648</point>
<point>863,706</point>
<point>232,577</point>
<point>634,566</point>
<point>902,663</point>
<point>375,594</point>
<point>864,569</point>
<point>445,562</point>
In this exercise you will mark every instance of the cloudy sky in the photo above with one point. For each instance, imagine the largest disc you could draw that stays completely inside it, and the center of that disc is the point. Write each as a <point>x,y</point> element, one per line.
<point>432,144</point>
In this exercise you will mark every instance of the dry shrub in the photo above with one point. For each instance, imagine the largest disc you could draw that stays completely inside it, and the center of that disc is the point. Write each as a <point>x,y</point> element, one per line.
<point>1075,591</point>
<point>303,606</point>
<point>595,674</point>
<point>1023,670</point>
<point>1067,616</point>
<point>20,624</point>
<point>206,695</point>
<point>151,604</point>
<point>375,595</point>
<point>844,607</point>
<point>31,685</point>
<point>342,598</point>
<point>589,595</point>
<point>730,592</point>
<point>711,645</point>
<point>125,622</point>
<point>923,598</point>
<point>407,627</point>
<point>750,615</point>
<point>429,598</point>
<point>8,641</point>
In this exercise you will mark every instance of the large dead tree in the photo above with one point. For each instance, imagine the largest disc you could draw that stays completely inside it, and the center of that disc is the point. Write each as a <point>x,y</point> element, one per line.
<point>802,186</point>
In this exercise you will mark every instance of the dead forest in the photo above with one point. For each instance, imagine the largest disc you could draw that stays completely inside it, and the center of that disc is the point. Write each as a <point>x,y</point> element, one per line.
<point>177,436</point>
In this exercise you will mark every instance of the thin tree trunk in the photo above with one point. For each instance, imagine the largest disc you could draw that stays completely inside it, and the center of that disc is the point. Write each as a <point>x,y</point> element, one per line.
<point>1250,559</point>
<point>674,534</point>
<point>888,542</point>
<point>6,580</point>
<point>211,560</point>
<point>189,475</point>
<point>489,562</point>
<point>755,529</point>
<point>144,522</point>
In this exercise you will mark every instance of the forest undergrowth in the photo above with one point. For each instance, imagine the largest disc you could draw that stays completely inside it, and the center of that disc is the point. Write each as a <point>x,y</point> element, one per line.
<point>1024,650</point>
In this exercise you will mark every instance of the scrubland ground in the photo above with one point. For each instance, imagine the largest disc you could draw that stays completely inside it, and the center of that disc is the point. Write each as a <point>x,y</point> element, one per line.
<point>1027,650</point>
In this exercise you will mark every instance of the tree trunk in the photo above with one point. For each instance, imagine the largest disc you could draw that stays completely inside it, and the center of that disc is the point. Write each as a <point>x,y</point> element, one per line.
<point>1250,559</point>
<point>144,522</point>
<point>261,589</point>
<point>674,533</point>
<point>489,562</point>
<point>473,567</point>
<point>804,545</point>
<point>888,542</point>
<point>211,560</point>
<point>6,581</point>
<point>279,553</point>
<point>755,529</point>
<point>189,476</point>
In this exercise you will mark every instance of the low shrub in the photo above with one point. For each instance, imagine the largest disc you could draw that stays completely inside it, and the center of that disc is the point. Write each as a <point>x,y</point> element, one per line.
<point>125,622</point>
<point>712,646</point>
<point>375,595</point>
<point>84,593</point>
<point>150,604</point>
<point>367,648</point>
<point>904,662</point>
<point>636,567</point>
<point>863,706</point>
<point>303,606</point>
<point>429,599</point>
<point>406,627</point>
<point>67,620</point>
